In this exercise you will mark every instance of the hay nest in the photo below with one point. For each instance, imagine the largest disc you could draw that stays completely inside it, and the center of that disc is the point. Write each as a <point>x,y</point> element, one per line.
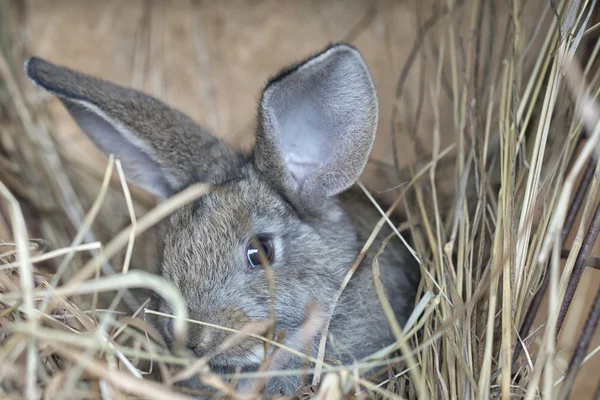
<point>524,177</point>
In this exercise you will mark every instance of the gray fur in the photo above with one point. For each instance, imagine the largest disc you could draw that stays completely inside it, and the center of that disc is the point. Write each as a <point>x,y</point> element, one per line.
<point>316,127</point>
<point>161,149</point>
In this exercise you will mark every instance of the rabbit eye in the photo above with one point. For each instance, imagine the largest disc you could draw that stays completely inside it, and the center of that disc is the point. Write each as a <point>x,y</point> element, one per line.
<point>252,252</point>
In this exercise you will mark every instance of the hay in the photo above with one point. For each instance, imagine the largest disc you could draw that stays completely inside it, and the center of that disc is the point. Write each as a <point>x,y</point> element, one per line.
<point>524,180</point>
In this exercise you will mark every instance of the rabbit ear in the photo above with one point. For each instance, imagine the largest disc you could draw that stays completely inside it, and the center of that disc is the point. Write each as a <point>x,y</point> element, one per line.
<point>162,150</point>
<point>317,124</point>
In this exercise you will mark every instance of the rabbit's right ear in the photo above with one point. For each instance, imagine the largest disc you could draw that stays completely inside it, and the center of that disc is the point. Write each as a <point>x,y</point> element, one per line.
<point>317,124</point>
<point>161,149</point>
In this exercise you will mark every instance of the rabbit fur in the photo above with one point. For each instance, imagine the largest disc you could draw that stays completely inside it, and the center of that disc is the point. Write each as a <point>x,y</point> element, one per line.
<point>316,126</point>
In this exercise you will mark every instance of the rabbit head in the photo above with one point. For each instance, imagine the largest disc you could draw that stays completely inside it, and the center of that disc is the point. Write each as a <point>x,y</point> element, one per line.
<point>278,204</point>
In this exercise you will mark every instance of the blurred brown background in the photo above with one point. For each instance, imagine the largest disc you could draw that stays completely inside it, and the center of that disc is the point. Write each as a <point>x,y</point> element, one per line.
<point>211,60</point>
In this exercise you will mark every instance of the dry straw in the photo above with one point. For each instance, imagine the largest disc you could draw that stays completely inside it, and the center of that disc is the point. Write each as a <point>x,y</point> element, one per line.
<point>525,173</point>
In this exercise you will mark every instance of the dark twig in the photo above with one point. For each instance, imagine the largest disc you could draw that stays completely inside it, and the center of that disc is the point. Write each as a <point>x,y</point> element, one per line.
<point>585,184</point>
<point>573,210</point>
<point>588,245</point>
<point>582,346</point>
<point>592,262</point>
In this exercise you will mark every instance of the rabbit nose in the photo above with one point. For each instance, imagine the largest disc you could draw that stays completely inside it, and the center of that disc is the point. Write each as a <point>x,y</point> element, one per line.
<point>196,351</point>
<point>197,337</point>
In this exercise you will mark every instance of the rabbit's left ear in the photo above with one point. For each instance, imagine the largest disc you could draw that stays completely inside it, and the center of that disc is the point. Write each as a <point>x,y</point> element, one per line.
<point>162,150</point>
<point>317,124</point>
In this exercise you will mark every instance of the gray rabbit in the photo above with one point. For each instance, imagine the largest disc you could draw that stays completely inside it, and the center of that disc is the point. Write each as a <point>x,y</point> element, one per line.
<point>291,202</point>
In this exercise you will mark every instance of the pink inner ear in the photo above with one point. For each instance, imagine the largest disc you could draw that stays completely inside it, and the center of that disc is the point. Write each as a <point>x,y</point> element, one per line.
<point>321,119</point>
<point>113,137</point>
<point>305,136</point>
<point>299,169</point>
